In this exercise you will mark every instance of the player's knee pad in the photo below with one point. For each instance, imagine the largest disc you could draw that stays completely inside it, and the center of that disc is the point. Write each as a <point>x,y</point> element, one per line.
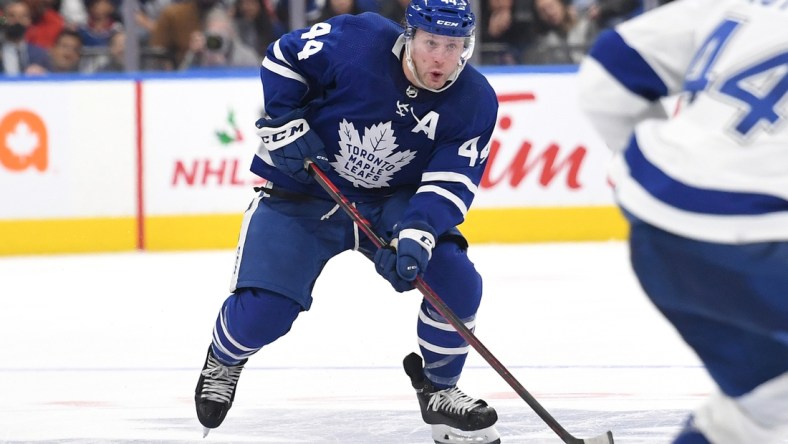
<point>251,318</point>
<point>454,278</point>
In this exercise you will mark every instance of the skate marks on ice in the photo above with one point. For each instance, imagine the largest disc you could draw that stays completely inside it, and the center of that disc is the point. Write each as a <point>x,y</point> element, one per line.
<point>329,405</point>
<point>404,427</point>
<point>272,425</point>
<point>87,365</point>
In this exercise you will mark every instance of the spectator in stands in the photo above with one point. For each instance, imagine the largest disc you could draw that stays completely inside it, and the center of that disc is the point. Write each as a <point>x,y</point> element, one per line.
<point>581,7</point>
<point>178,25</point>
<point>218,45</point>
<point>333,8</point>
<point>74,13</point>
<point>608,13</point>
<point>66,53</point>
<point>313,10</point>
<point>116,61</point>
<point>561,35</point>
<point>103,22</point>
<point>504,32</point>
<point>146,15</point>
<point>316,9</point>
<point>256,25</point>
<point>46,24</point>
<point>393,9</point>
<point>17,56</point>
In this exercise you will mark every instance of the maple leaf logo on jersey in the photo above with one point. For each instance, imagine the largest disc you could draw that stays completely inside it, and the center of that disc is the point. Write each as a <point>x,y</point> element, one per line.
<point>371,161</point>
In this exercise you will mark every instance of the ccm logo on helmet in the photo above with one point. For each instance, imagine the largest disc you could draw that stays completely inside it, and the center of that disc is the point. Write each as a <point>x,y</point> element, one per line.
<point>447,23</point>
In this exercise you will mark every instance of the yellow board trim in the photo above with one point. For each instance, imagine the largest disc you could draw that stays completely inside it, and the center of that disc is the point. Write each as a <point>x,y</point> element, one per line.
<point>193,232</point>
<point>67,235</point>
<point>515,225</point>
<point>220,231</point>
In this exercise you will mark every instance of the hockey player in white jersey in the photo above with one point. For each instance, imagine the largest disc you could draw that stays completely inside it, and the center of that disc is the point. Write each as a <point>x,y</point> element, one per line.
<point>706,192</point>
<point>402,126</point>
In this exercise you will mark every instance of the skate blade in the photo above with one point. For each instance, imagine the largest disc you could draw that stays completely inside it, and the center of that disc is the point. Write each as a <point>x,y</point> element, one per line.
<point>443,434</point>
<point>205,431</point>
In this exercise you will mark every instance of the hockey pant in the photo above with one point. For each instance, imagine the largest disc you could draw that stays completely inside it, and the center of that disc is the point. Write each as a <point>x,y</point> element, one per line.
<point>282,250</point>
<point>729,303</point>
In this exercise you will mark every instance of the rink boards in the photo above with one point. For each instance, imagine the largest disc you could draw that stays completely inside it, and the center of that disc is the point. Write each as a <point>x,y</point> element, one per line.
<point>161,163</point>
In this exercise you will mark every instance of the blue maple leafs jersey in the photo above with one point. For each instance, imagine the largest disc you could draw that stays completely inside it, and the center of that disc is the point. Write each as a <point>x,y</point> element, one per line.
<point>380,132</point>
<point>717,170</point>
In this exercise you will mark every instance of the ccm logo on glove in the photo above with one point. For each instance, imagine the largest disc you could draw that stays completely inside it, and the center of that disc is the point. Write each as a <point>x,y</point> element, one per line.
<point>289,140</point>
<point>275,138</point>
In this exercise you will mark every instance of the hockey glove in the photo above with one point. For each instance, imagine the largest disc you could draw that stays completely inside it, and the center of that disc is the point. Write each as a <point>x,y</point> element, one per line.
<point>407,255</point>
<point>289,141</point>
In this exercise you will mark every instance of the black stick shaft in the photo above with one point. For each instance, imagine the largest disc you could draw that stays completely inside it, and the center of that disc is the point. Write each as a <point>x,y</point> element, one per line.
<point>442,308</point>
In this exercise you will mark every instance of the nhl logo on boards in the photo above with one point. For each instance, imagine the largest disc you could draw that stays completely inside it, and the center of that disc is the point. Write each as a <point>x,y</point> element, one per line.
<point>411,92</point>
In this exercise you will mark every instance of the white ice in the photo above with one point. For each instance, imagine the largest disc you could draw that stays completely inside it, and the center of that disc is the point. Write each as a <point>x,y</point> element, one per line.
<point>108,348</point>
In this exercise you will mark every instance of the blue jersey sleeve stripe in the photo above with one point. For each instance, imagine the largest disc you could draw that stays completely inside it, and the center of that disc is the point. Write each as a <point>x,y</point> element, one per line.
<point>446,195</point>
<point>282,71</point>
<point>445,176</point>
<point>627,66</point>
<point>693,199</point>
<point>279,54</point>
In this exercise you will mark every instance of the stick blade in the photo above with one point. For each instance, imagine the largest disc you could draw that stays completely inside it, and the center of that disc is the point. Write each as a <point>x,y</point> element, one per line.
<point>607,438</point>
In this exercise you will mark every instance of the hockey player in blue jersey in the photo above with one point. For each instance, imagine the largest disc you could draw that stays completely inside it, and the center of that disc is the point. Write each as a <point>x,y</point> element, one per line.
<point>706,192</point>
<point>402,126</point>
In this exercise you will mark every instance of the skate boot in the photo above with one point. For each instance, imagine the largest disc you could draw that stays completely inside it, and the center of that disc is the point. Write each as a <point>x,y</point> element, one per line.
<point>455,417</point>
<point>215,391</point>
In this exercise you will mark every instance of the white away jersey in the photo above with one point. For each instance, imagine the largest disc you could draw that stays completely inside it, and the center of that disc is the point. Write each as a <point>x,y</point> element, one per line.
<point>717,170</point>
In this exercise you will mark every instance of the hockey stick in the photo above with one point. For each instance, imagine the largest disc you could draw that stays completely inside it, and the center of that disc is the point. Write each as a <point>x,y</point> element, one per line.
<point>447,313</point>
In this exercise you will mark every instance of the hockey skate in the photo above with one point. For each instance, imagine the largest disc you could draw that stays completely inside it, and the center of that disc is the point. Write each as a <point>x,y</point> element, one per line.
<point>455,417</point>
<point>215,391</point>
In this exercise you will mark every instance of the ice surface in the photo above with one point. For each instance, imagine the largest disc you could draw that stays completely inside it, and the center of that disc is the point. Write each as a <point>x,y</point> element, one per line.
<point>107,348</point>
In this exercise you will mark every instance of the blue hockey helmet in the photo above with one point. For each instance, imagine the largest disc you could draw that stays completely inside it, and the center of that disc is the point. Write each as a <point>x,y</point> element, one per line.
<point>452,18</point>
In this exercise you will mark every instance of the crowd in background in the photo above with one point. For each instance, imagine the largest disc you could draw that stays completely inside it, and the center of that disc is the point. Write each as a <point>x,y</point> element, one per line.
<point>85,36</point>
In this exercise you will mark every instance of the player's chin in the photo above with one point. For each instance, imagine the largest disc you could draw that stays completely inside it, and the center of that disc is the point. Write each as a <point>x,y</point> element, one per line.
<point>436,81</point>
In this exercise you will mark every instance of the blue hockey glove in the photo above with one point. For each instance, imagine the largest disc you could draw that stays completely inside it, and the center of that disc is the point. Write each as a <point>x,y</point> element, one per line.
<point>407,256</point>
<point>289,140</point>
<point>386,266</point>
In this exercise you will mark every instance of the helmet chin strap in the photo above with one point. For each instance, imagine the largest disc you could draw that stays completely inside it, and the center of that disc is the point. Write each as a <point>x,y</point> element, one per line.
<point>421,84</point>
